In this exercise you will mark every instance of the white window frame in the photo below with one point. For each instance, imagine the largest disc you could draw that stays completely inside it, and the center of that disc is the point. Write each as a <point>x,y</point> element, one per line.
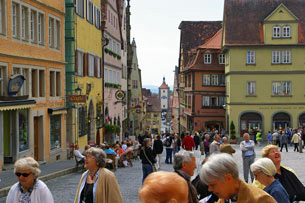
<point>24,23</point>
<point>3,78</point>
<point>276,31</point>
<point>286,57</point>
<point>55,93</point>
<point>250,57</point>
<point>51,32</point>
<point>214,80</point>
<point>91,60</point>
<point>33,25</point>
<point>286,87</point>
<point>286,31</point>
<point>40,29</point>
<point>207,58</point>
<point>106,75</point>
<point>25,71</point>
<point>3,17</point>
<point>80,63</point>
<point>276,87</point>
<point>98,67</point>
<point>54,32</point>
<point>205,101</point>
<point>221,59</point>
<point>206,80</point>
<point>80,7</point>
<point>276,57</point>
<point>38,84</point>
<point>251,88</point>
<point>15,24</point>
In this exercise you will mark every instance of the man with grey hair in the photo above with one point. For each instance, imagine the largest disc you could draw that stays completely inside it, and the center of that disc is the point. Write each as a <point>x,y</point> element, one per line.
<point>220,173</point>
<point>184,165</point>
<point>215,145</point>
<point>248,155</point>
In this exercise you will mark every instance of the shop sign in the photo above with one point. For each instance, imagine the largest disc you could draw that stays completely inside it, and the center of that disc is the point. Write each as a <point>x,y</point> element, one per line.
<point>77,98</point>
<point>119,95</point>
<point>15,83</point>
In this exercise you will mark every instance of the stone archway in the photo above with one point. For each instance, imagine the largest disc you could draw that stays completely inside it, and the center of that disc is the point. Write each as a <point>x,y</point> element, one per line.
<point>91,123</point>
<point>250,122</point>
<point>302,120</point>
<point>280,121</point>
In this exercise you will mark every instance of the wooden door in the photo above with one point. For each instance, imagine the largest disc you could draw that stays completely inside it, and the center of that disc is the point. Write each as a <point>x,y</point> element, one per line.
<point>36,150</point>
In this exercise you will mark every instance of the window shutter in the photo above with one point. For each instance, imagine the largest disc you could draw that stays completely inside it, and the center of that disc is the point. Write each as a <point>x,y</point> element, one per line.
<point>87,13</point>
<point>76,62</point>
<point>85,64</point>
<point>84,6</point>
<point>76,6</point>
<point>101,67</point>
<point>95,66</point>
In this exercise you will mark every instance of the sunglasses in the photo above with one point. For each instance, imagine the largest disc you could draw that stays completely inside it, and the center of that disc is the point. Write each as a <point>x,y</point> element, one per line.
<point>22,174</point>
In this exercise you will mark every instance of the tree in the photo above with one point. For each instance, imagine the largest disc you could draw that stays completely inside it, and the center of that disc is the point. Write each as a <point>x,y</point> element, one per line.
<point>232,131</point>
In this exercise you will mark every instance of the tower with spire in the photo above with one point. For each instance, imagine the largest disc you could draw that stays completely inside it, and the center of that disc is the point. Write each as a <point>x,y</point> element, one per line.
<point>164,95</point>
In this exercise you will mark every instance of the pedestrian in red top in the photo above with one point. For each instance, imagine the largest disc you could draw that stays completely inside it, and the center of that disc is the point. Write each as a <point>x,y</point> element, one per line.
<point>188,142</point>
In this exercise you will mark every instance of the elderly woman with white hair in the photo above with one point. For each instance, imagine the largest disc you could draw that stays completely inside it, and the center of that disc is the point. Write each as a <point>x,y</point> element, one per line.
<point>29,188</point>
<point>220,173</point>
<point>264,171</point>
<point>97,184</point>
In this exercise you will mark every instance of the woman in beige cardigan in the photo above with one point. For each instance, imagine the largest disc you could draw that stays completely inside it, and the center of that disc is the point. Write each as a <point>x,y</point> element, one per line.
<point>97,184</point>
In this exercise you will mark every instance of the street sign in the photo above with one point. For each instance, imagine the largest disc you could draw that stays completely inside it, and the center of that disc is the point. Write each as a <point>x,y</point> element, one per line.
<point>77,98</point>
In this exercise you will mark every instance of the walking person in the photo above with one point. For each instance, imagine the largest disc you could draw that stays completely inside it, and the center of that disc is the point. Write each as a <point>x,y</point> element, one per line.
<point>275,138</point>
<point>295,141</point>
<point>248,156</point>
<point>168,143</point>
<point>158,149</point>
<point>269,138</point>
<point>196,140</point>
<point>215,145</point>
<point>259,137</point>
<point>188,142</point>
<point>284,141</point>
<point>97,184</point>
<point>206,144</point>
<point>148,158</point>
<point>29,188</point>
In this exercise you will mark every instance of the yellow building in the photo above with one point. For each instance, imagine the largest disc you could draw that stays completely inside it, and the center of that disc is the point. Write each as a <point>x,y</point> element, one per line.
<point>265,57</point>
<point>84,72</point>
<point>32,51</point>
<point>153,115</point>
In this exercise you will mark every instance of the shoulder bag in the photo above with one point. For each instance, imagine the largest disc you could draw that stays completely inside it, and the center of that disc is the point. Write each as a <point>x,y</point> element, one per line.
<point>153,165</point>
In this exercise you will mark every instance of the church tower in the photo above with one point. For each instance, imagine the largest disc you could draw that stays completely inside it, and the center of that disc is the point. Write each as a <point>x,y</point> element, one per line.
<point>164,95</point>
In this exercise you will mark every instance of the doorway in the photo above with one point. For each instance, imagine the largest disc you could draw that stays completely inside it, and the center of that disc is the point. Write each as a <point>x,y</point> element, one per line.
<point>38,138</point>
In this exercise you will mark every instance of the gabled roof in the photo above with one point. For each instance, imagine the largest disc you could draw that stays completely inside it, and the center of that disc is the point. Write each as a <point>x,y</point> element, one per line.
<point>243,19</point>
<point>274,11</point>
<point>164,86</point>
<point>153,104</point>
<point>214,42</point>
<point>195,33</point>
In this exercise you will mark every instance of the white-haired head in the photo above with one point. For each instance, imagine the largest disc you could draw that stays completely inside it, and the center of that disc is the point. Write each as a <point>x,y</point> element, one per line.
<point>264,165</point>
<point>180,157</point>
<point>27,163</point>
<point>217,167</point>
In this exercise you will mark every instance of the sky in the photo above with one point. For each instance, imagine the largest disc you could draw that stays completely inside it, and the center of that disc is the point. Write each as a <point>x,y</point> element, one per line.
<point>154,25</point>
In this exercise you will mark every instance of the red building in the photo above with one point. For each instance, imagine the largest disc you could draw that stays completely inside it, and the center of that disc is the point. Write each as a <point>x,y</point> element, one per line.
<point>204,90</point>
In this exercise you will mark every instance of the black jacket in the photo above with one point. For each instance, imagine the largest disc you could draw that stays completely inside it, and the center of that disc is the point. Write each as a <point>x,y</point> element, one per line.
<point>158,147</point>
<point>150,155</point>
<point>202,190</point>
<point>192,197</point>
<point>196,140</point>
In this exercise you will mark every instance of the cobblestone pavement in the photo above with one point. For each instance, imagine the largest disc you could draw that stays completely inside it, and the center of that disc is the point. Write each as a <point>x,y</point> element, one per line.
<point>129,178</point>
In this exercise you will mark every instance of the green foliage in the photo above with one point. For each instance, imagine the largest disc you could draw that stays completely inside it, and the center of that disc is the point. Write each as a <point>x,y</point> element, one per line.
<point>111,85</point>
<point>109,129</point>
<point>232,131</point>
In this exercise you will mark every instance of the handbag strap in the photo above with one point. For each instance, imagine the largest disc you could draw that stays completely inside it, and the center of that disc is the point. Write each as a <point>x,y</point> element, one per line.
<point>147,157</point>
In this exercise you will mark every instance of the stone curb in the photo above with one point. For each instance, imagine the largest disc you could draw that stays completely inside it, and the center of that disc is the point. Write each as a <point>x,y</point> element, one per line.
<point>4,191</point>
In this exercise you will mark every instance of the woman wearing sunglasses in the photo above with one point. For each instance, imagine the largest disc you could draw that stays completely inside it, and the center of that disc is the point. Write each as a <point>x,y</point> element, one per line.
<point>29,188</point>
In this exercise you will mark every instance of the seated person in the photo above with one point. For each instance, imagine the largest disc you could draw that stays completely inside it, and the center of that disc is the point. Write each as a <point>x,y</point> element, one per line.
<point>162,187</point>
<point>85,150</point>
<point>78,156</point>
<point>108,150</point>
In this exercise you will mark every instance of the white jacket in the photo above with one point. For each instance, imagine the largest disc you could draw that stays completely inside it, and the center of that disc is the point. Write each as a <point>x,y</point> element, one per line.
<point>40,194</point>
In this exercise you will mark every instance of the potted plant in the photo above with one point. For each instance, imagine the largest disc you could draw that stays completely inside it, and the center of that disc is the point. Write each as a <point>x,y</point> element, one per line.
<point>232,133</point>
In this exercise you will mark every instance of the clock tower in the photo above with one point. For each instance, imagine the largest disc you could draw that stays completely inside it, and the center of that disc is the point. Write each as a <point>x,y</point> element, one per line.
<point>164,95</point>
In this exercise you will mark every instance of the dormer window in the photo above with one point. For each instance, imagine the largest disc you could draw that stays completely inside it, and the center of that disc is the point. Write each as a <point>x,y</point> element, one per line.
<point>286,31</point>
<point>221,59</point>
<point>276,33</point>
<point>207,58</point>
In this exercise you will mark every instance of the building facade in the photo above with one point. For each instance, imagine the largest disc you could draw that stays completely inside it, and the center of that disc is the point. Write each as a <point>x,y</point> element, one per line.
<point>265,64</point>
<point>84,73</point>
<point>204,91</point>
<point>32,78</point>
<point>153,115</point>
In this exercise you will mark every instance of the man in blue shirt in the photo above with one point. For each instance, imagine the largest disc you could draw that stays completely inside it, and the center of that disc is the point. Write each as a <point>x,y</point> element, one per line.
<point>248,155</point>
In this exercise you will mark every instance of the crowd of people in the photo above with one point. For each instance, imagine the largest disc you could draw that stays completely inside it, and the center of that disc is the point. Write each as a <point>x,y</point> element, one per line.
<point>218,180</point>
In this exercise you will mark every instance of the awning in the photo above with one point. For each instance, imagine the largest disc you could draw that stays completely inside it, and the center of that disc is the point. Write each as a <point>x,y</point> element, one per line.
<point>57,111</point>
<point>15,105</point>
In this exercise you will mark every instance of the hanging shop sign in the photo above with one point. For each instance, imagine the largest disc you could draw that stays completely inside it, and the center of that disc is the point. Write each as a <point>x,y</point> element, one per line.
<point>14,84</point>
<point>119,95</point>
<point>77,98</point>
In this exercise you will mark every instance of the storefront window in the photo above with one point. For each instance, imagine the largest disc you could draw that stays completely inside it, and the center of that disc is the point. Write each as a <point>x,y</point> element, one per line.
<point>24,139</point>
<point>55,131</point>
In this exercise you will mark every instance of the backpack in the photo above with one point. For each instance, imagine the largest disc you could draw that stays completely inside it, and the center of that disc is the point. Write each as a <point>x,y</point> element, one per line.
<point>167,142</point>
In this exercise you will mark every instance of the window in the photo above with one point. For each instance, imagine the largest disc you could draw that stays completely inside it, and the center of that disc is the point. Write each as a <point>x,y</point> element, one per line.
<point>38,83</point>
<point>118,78</point>
<point>110,76</point>
<point>89,11</point>
<point>33,25</point>
<point>214,101</point>
<point>15,20</point>
<point>221,59</point>
<point>54,33</point>
<point>91,65</point>
<point>2,17</point>
<point>276,57</point>
<point>281,57</point>
<point>281,88</point>
<point>250,57</point>
<point>24,134</point>
<point>221,101</point>
<point>41,29</point>
<point>55,83</point>
<point>222,80</point>
<point>205,101</point>
<point>24,23</point>
<point>106,75</point>
<point>80,63</point>
<point>80,8</point>
<point>251,88</point>
<point>286,56</point>
<point>83,121</point>
<point>286,31</point>
<point>207,58</point>
<point>25,89</point>
<point>214,80</point>
<point>41,83</point>
<point>55,131</point>
<point>2,82</point>
<point>98,74</point>
<point>276,32</point>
